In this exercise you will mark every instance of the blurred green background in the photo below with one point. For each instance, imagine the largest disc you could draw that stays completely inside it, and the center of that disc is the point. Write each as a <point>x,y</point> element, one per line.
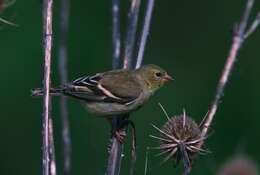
<point>190,39</point>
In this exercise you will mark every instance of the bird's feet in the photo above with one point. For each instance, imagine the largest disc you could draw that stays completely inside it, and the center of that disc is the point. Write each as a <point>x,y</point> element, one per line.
<point>120,136</point>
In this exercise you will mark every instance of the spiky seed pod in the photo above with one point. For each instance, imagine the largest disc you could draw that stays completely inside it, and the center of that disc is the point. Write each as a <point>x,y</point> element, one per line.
<point>184,131</point>
<point>239,166</point>
<point>180,139</point>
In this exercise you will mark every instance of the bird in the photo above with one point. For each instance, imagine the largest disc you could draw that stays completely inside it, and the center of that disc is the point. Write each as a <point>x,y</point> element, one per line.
<point>116,92</point>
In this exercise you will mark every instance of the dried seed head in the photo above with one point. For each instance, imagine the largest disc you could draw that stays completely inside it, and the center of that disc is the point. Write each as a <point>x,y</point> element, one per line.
<point>180,139</point>
<point>182,128</point>
<point>185,131</point>
<point>239,166</point>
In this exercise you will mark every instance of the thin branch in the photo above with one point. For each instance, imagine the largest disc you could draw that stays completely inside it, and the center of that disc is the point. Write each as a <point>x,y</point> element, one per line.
<point>116,42</point>
<point>63,73</point>
<point>238,40</point>
<point>52,149</point>
<point>253,26</point>
<point>145,33</point>
<point>131,33</point>
<point>47,31</point>
<point>116,148</point>
<point>115,157</point>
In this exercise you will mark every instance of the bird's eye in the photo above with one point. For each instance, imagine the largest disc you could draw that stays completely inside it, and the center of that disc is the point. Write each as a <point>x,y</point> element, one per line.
<point>158,74</point>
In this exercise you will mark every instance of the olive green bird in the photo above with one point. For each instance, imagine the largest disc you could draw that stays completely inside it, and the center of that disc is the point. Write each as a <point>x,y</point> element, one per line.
<point>115,92</point>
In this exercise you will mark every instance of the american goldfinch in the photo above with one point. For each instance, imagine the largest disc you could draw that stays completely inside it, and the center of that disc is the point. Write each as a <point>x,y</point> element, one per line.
<point>115,92</point>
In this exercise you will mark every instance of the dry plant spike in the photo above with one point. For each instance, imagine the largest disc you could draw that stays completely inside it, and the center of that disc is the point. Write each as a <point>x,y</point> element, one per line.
<point>239,37</point>
<point>164,111</point>
<point>145,32</point>
<point>8,22</point>
<point>204,118</point>
<point>116,41</point>
<point>146,161</point>
<point>131,33</point>
<point>184,118</point>
<point>63,73</point>
<point>159,138</point>
<point>179,140</point>
<point>47,32</point>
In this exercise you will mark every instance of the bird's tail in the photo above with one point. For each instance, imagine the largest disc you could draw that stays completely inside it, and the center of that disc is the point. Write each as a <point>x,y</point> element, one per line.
<point>53,91</point>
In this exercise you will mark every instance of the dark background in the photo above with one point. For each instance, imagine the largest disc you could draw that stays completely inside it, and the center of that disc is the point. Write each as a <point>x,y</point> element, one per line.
<point>190,39</point>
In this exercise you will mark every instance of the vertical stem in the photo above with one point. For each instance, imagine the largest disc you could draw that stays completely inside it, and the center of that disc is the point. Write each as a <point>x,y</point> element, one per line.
<point>116,43</point>
<point>115,157</point>
<point>145,32</point>
<point>47,31</point>
<point>52,149</point>
<point>131,33</point>
<point>238,40</point>
<point>63,72</point>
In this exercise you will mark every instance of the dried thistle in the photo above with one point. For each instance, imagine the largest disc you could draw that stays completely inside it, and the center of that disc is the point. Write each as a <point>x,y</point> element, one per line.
<point>180,139</point>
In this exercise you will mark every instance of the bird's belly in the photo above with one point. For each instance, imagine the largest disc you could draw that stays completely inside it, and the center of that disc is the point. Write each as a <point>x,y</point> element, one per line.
<point>108,109</point>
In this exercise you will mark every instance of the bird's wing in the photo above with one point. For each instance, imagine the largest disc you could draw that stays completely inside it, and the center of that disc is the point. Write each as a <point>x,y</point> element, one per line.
<point>115,86</point>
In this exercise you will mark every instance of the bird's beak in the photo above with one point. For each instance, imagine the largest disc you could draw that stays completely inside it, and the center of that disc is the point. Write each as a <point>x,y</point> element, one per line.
<point>168,78</point>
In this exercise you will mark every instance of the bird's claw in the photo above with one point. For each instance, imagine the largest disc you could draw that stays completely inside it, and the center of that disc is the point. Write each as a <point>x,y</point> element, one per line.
<point>120,136</point>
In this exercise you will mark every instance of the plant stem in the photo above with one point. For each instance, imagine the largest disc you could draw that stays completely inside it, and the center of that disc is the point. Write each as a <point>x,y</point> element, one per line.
<point>116,43</point>
<point>145,32</point>
<point>47,31</point>
<point>116,148</point>
<point>238,40</point>
<point>52,149</point>
<point>131,33</point>
<point>63,72</point>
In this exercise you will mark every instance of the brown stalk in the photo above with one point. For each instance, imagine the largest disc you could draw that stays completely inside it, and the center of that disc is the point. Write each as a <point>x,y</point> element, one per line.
<point>240,34</point>
<point>47,32</point>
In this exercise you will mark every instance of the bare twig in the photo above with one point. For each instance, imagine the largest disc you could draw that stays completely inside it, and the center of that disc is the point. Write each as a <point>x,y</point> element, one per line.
<point>63,72</point>
<point>52,149</point>
<point>145,33</point>
<point>115,157</point>
<point>131,33</point>
<point>116,148</point>
<point>116,43</point>
<point>253,26</point>
<point>115,154</point>
<point>47,31</point>
<point>238,40</point>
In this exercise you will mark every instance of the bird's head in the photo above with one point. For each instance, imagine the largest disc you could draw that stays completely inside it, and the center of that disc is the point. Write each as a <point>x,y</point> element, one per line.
<point>154,76</point>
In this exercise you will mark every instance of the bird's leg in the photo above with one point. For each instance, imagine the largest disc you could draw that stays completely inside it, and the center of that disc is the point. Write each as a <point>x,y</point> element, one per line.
<point>117,126</point>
